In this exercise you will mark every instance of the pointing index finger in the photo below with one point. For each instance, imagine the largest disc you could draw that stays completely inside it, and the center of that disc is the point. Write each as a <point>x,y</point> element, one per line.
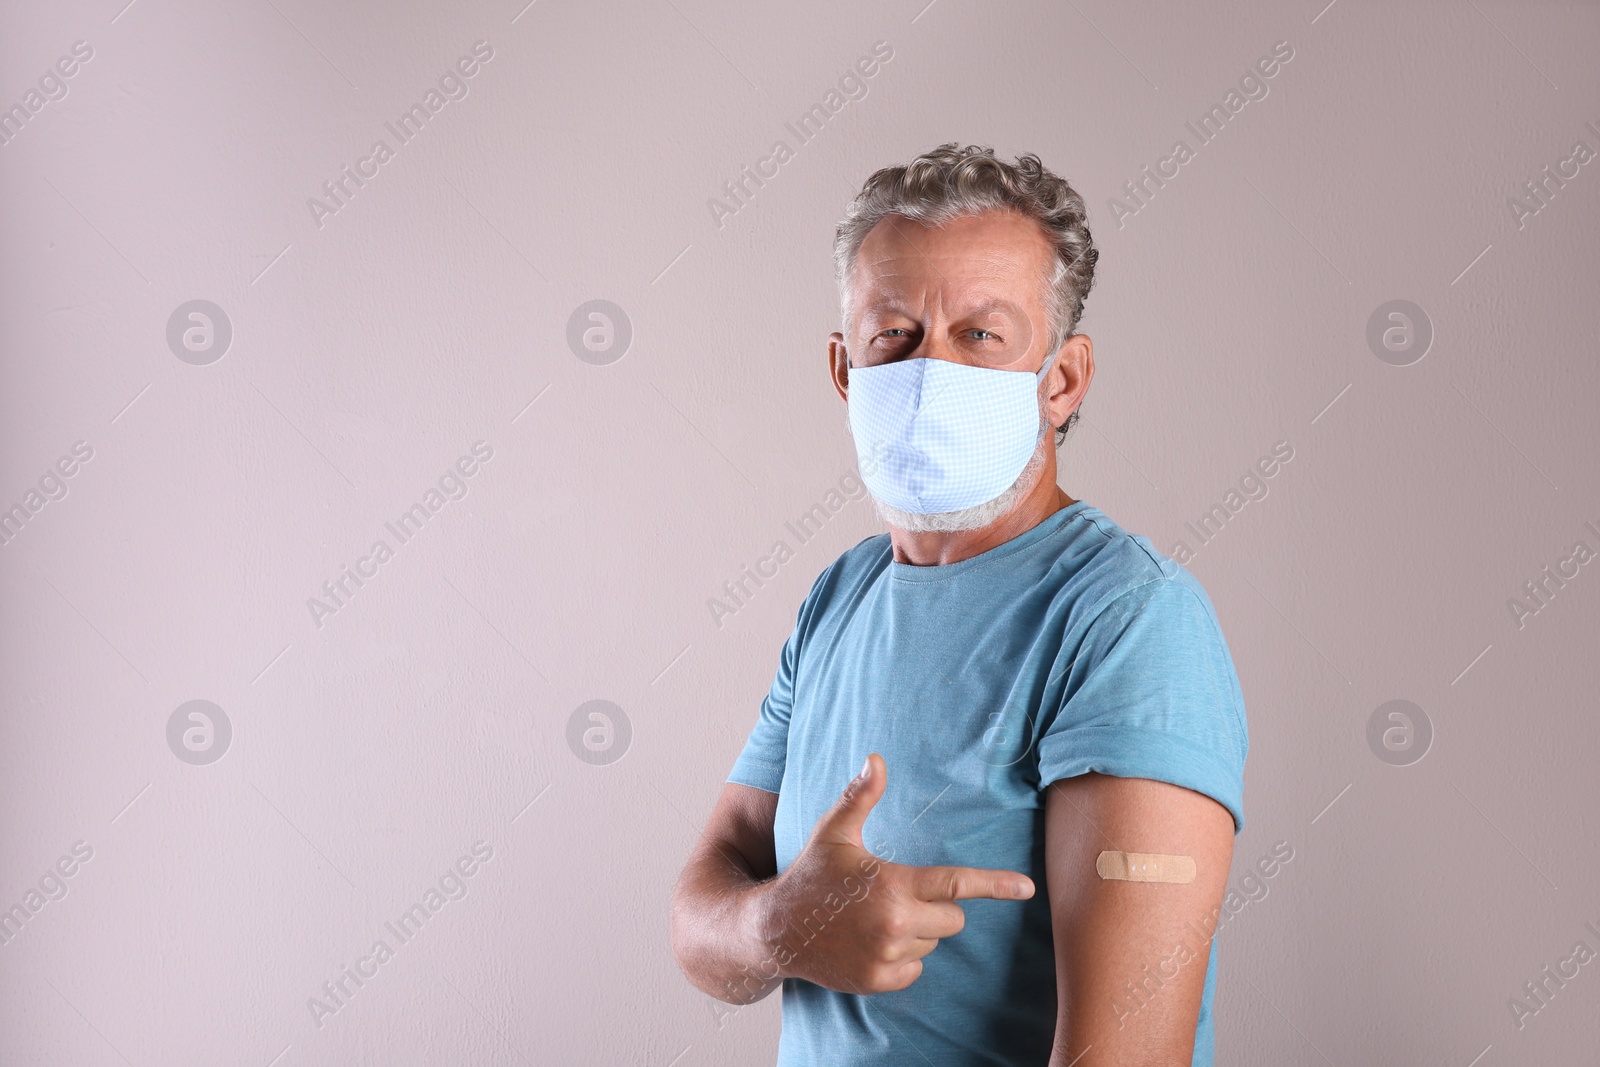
<point>966,883</point>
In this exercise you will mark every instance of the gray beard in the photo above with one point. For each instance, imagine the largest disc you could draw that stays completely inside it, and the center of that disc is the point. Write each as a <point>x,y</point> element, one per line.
<point>979,515</point>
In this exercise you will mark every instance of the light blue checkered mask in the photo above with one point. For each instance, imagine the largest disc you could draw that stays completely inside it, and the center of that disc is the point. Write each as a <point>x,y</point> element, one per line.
<point>934,436</point>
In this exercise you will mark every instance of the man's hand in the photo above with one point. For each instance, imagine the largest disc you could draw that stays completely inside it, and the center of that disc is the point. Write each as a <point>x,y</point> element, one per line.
<point>839,916</point>
<point>870,923</point>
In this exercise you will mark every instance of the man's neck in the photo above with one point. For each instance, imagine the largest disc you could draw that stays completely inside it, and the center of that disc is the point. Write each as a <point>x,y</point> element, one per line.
<point>938,549</point>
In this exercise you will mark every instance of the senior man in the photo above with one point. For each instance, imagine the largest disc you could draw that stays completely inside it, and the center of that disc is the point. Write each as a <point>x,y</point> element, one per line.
<point>1007,701</point>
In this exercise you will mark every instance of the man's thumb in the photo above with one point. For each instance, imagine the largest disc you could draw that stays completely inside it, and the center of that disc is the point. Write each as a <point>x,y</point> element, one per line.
<point>844,821</point>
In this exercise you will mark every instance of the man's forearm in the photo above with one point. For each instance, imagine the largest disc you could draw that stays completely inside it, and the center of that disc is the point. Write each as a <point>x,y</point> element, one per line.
<point>718,916</point>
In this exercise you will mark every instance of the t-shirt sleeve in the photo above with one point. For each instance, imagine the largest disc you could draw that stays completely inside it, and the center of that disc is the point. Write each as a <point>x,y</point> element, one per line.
<point>761,762</point>
<point>1152,693</point>
<point>766,751</point>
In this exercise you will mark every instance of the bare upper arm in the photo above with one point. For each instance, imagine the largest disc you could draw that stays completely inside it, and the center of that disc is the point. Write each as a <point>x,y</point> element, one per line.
<point>740,827</point>
<point>1131,956</point>
<point>713,932</point>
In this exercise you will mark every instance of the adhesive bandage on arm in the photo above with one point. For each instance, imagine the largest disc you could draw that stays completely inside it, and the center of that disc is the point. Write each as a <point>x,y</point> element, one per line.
<point>1145,867</point>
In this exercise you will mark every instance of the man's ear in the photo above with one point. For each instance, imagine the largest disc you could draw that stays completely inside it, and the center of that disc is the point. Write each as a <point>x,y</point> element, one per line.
<point>1070,380</point>
<point>839,365</point>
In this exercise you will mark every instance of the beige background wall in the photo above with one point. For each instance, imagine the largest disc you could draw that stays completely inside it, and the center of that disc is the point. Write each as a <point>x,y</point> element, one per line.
<point>373,744</point>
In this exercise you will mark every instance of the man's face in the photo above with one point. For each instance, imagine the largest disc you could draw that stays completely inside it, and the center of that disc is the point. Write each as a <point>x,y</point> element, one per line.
<point>971,291</point>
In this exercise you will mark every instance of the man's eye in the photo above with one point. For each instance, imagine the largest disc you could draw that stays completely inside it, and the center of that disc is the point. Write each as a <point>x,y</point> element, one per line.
<point>991,335</point>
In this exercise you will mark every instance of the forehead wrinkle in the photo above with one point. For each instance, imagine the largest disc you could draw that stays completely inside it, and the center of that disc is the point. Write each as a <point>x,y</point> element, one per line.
<point>895,299</point>
<point>981,272</point>
<point>953,266</point>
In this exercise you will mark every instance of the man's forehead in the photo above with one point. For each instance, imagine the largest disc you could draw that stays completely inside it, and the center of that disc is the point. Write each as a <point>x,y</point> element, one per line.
<point>884,298</point>
<point>987,254</point>
<point>993,233</point>
<point>977,253</point>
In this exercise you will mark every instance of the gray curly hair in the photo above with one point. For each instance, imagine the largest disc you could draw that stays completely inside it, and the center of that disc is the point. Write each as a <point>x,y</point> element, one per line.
<point>950,182</point>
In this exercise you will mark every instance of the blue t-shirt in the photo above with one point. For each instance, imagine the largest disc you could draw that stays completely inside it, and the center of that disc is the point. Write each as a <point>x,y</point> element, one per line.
<point>1072,647</point>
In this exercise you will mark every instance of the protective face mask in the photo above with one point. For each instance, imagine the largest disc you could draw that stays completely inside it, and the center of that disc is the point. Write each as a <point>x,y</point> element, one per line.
<point>934,436</point>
